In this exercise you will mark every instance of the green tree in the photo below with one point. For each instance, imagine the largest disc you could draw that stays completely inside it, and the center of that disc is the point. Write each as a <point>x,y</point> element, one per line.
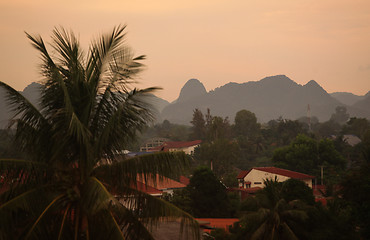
<point>219,128</point>
<point>306,155</point>
<point>333,221</point>
<point>246,124</point>
<point>199,125</point>
<point>357,126</point>
<point>282,132</point>
<point>293,189</point>
<point>355,190</point>
<point>222,154</point>
<point>208,195</point>
<point>328,128</point>
<point>73,185</point>
<point>340,116</point>
<point>269,216</point>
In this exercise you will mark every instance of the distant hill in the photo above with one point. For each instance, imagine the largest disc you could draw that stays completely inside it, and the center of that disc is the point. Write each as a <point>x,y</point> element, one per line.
<point>268,98</point>
<point>158,105</point>
<point>32,93</point>
<point>346,97</point>
<point>364,103</point>
<point>192,89</point>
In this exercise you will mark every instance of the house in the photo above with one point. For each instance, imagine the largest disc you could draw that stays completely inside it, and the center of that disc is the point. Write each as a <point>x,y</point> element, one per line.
<point>256,176</point>
<point>152,143</point>
<point>187,147</point>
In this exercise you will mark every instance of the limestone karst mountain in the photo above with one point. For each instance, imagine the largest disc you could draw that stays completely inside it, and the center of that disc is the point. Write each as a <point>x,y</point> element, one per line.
<point>193,88</point>
<point>269,98</point>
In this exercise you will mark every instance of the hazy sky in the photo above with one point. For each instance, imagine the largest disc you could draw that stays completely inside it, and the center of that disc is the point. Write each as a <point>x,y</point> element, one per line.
<point>212,40</point>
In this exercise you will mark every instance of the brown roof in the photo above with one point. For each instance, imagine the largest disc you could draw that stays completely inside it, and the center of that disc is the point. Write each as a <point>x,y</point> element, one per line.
<point>280,171</point>
<point>160,182</point>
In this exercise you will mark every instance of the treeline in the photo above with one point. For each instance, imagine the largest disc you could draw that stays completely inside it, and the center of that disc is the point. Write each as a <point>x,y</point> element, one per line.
<point>301,145</point>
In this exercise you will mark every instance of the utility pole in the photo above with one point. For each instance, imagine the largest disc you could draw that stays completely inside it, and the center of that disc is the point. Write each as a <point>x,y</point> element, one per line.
<point>322,174</point>
<point>309,117</point>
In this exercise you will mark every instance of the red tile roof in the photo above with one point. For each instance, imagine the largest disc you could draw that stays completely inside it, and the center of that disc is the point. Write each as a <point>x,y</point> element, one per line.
<point>161,183</point>
<point>280,171</point>
<point>242,174</point>
<point>216,222</point>
<point>171,145</point>
<point>147,189</point>
<point>184,180</point>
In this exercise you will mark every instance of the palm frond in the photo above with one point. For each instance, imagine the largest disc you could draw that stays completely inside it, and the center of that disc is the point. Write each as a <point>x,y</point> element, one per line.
<point>124,173</point>
<point>151,211</point>
<point>95,196</point>
<point>42,215</point>
<point>21,106</point>
<point>103,225</point>
<point>16,173</point>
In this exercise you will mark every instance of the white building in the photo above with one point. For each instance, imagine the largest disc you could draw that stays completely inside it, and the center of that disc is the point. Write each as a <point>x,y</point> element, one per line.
<point>256,176</point>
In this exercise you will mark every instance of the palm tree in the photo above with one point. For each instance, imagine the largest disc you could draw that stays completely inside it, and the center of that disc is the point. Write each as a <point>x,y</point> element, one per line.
<point>73,183</point>
<point>269,216</point>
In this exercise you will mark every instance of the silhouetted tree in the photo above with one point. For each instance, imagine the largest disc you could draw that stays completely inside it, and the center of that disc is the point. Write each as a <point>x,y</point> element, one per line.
<point>340,116</point>
<point>246,124</point>
<point>221,153</point>
<point>208,195</point>
<point>199,125</point>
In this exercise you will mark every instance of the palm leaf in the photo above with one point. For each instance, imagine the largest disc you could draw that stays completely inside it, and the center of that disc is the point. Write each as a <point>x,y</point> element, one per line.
<point>123,173</point>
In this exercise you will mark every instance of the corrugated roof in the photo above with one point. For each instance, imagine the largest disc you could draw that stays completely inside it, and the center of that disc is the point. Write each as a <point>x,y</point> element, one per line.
<point>284,172</point>
<point>280,171</point>
<point>160,182</point>
<point>147,189</point>
<point>170,145</point>
<point>184,180</point>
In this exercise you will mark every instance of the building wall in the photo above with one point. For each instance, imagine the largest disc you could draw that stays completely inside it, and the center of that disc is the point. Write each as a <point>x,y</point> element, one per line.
<point>187,150</point>
<point>256,177</point>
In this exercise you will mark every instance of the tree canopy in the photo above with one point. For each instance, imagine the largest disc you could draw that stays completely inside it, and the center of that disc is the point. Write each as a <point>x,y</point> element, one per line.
<point>306,155</point>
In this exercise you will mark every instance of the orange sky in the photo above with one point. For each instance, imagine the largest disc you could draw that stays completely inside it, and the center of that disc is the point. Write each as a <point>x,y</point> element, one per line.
<point>214,41</point>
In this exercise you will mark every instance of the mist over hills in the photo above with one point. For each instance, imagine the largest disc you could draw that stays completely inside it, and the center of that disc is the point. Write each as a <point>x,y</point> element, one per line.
<point>269,98</point>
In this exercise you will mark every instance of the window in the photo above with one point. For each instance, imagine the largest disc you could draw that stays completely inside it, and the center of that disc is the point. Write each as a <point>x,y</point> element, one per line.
<point>257,183</point>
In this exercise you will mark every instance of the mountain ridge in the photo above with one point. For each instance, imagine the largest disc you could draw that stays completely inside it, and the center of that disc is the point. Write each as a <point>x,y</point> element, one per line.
<point>269,98</point>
